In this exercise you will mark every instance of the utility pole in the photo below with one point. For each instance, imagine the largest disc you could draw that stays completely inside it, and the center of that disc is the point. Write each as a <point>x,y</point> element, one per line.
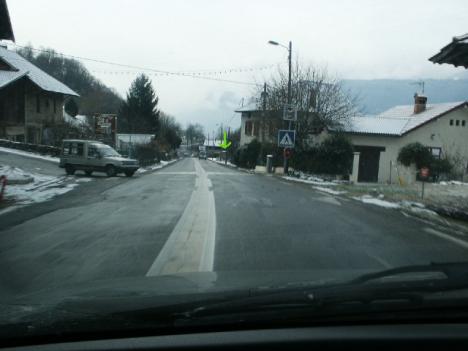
<point>286,160</point>
<point>264,97</point>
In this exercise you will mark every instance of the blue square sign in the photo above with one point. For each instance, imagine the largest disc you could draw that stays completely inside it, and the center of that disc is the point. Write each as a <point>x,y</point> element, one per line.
<point>286,138</point>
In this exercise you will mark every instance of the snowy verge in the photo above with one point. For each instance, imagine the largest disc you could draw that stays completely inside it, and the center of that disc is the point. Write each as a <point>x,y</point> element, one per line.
<point>159,165</point>
<point>310,180</point>
<point>367,199</point>
<point>42,188</point>
<point>229,164</point>
<point>30,154</point>
<point>329,191</point>
<point>15,175</point>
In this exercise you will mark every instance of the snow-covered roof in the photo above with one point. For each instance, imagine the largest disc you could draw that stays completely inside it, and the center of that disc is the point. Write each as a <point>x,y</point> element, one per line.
<point>399,120</point>
<point>77,121</point>
<point>22,67</point>
<point>135,138</point>
<point>248,108</point>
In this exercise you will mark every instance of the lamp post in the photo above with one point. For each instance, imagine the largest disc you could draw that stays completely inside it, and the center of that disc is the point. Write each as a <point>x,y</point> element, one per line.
<point>289,48</point>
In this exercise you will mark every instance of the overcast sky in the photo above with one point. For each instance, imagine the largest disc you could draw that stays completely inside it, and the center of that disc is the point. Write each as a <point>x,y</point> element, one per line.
<point>354,39</point>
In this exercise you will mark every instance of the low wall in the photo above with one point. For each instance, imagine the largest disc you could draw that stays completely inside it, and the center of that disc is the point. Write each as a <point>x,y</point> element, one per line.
<point>42,149</point>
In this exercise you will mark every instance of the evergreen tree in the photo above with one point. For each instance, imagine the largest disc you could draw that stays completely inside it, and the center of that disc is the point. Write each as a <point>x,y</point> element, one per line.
<point>139,112</point>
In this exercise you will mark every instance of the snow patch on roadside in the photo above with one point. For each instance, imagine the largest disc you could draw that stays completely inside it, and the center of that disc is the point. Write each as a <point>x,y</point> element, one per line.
<point>329,191</point>
<point>30,154</point>
<point>367,199</point>
<point>154,167</point>
<point>83,180</point>
<point>310,180</point>
<point>222,162</point>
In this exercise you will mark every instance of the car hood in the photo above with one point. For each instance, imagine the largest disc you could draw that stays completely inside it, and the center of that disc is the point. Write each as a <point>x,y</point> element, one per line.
<point>120,159</point>
<point>128,294</point>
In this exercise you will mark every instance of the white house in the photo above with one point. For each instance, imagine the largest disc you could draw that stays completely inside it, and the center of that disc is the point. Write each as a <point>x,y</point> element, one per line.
<point>377,140</point>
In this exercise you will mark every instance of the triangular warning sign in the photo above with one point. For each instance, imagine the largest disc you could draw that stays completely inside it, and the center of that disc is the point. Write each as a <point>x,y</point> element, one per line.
<point>286,140</point>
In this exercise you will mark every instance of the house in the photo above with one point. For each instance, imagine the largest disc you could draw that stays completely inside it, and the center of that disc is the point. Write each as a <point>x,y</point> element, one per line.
<point>454,53</point>
<point>6,30</point>
<point>126,142</point>
<point>252,119</point>
<point>377,140</point>
<point>31,101</point>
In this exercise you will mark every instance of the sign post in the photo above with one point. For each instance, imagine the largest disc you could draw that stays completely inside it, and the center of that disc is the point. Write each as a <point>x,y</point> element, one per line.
<point>424,174</point>
<point>105,128</point>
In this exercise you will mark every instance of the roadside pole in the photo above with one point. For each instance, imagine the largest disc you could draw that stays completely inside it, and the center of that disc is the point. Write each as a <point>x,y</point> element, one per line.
<point>424,174</point>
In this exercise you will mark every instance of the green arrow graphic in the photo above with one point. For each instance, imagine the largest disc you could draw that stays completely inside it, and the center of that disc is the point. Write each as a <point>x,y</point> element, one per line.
<point>225,144</point>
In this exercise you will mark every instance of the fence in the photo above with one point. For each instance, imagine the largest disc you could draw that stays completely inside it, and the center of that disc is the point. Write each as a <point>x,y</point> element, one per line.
<point>42,149</point>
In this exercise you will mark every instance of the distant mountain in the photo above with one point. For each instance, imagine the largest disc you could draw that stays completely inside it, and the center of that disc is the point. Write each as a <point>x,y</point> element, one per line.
<point>378,95</point>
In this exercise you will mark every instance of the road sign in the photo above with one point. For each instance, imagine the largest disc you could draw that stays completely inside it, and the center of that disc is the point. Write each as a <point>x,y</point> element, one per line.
<point>424,172</point>
<point>286,138</point>
<point>289,113</point>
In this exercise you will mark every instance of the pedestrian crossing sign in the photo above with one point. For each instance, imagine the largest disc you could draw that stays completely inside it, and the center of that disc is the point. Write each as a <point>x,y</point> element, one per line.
<point>286,138</point>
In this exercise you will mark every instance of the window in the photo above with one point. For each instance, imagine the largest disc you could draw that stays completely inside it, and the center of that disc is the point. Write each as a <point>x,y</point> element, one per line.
<point>463,123</point>
<point>457,123</point>
<point>66,149</point>
<point>55,105</point>
<point>436,151</point>
<point>248,127</point>
<point>77,149</point>
<point>47,104</point>
<point>92,151</point>
<point>256,128</point>
<point>38,103</point>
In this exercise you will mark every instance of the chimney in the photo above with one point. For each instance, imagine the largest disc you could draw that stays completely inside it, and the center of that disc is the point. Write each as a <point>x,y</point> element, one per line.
<point>419,103</point>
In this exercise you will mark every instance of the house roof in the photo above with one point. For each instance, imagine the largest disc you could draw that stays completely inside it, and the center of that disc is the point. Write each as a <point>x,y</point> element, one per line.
<point>455,53</point>
<point>6,30</point>
<point>22,67</point>
<point>399,120</point>
<point>248,108</point>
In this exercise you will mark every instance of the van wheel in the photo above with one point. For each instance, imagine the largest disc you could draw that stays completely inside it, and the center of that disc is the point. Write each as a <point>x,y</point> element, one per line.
<point>129,173</point>
<point>88,173</point>
<point>69,169</point>
<point>110,171</point>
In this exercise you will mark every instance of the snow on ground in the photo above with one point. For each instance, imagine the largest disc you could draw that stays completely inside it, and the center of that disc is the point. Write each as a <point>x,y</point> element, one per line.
<point>329,191</point>
<point>221,162</point>
<point>159,165</point>
<point>38,188</point>
<point>310,180</point>
<point>15,175</point>
<point>367,199</point>
<point>30,154</point>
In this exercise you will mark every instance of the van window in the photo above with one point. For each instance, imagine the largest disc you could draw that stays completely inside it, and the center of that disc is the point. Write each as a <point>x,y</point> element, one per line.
<point>66,149</point>
<point>92,151</point>
<point>77,149</point>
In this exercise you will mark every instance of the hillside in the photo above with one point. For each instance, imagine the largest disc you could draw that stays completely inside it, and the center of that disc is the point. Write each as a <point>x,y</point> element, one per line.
<point>95,96</point>
<point>380,94</point>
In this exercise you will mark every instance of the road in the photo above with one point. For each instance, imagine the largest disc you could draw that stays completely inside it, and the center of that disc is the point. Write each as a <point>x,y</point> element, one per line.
<point>196,215</point>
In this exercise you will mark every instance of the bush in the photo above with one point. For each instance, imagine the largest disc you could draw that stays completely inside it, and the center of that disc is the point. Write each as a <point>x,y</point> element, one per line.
<point>415,153</point>
<point>147,154</point>
<point>334,156</point>
<point>247,156</point>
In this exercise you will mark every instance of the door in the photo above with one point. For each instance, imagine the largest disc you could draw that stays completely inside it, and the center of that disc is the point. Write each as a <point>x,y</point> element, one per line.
<point>369,163</point>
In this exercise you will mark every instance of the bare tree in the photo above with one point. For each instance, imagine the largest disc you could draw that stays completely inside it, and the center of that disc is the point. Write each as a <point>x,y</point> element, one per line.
<point>320,99</point>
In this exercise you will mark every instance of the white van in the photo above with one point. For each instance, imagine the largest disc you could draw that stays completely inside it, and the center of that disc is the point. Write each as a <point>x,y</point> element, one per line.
<point>93,156</point>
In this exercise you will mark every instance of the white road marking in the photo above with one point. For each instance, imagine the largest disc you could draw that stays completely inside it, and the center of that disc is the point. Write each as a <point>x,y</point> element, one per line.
<point>459,242</point>
<point>190,247</point>
<point>329,200</point>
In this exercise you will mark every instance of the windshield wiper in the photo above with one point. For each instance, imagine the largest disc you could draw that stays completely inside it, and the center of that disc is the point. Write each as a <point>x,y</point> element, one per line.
<point>364,289</point>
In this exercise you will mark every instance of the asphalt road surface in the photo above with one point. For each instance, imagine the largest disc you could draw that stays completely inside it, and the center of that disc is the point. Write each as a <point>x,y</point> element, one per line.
<point>196,215</point>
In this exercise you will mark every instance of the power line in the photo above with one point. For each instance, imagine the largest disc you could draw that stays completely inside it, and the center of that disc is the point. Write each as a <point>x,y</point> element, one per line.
<point>194,74</point>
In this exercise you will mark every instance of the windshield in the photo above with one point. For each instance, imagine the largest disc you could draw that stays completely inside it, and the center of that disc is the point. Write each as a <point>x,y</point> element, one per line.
<point>106,151</point>
<point>167,162</point>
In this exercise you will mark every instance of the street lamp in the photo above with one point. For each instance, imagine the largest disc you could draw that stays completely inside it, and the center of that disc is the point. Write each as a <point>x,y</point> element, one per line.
<point>289,48</point>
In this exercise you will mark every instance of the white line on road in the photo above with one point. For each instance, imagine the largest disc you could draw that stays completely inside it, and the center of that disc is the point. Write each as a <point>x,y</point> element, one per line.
<point>190,247</point>
<point>448,237</point>
<point>173,173</point>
